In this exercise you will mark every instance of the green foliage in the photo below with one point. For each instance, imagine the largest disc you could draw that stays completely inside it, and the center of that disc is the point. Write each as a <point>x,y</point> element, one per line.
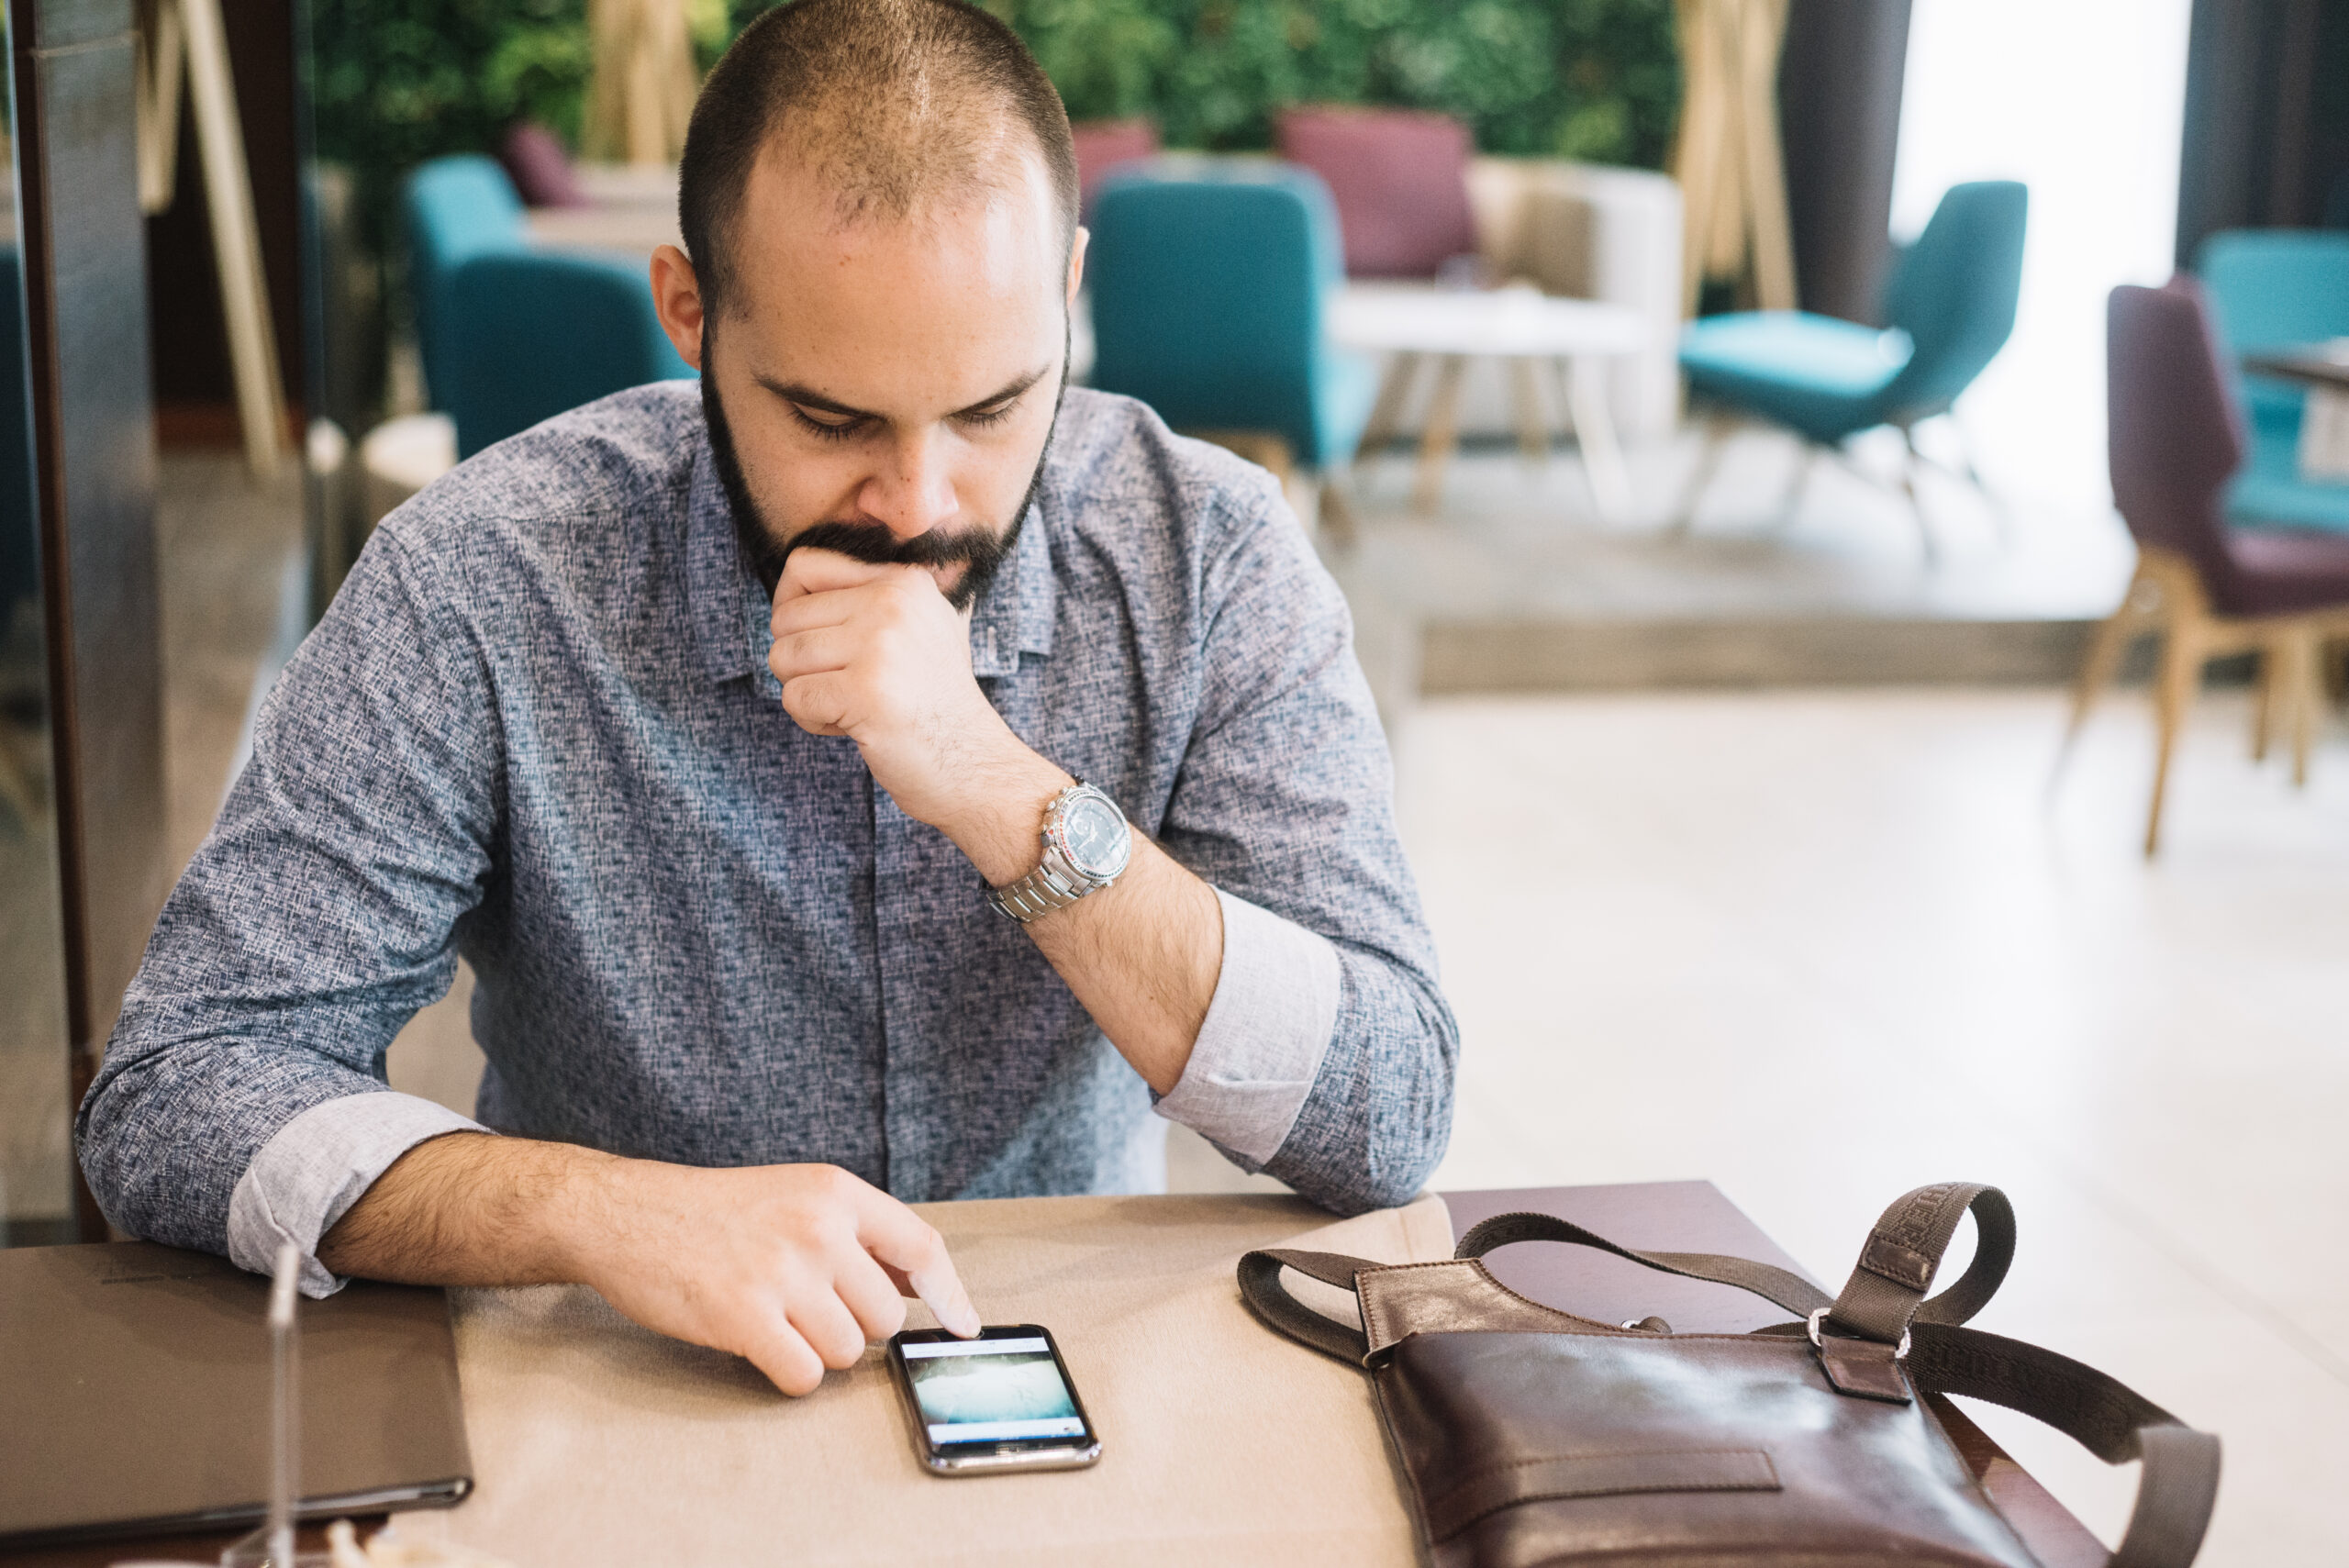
<point>396,81</point>
<point>1593,79</point>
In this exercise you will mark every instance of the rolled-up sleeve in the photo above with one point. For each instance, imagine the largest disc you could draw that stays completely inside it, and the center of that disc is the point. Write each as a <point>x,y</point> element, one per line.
<point>1266,1030</point>
<point>1329,1051</point>
<point>313,922</point>
<point>316,1166</point>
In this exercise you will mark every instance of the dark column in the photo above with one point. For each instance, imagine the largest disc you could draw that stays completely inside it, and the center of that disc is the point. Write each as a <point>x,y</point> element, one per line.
<point>85,292</point>
<point>1839,105</point>
<point>2266,134</point>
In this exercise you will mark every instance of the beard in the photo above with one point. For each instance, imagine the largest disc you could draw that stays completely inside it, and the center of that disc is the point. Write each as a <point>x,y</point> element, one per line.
<point>980,550</point>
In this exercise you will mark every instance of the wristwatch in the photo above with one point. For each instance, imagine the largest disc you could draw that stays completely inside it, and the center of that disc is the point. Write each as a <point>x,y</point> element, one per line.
<point>1086,846</point>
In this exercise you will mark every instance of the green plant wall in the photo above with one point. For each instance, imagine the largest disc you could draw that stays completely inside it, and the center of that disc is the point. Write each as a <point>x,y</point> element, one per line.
<point>1589,78</point>
<point>396,81</point>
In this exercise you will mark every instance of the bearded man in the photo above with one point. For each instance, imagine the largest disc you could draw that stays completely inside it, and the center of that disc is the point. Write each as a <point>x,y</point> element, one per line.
<point>722,729</point>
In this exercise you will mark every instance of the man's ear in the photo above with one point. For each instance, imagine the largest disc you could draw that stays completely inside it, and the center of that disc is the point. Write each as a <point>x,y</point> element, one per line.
<point>1076,262</point>
<point>677,299</point>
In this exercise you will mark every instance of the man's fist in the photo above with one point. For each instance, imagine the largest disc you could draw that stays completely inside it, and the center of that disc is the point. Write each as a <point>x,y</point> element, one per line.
<point>877,654</point>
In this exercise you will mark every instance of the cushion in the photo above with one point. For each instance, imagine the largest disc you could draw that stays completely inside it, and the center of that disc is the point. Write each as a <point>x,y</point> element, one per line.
<point>2285,570</point>
<point>1102,146</point>
<point>1816,374</point>
<point>540,168</point>
<point>1400,182</point>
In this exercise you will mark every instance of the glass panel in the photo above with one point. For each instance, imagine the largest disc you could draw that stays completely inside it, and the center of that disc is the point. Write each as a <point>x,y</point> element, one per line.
<point>36,1169</point>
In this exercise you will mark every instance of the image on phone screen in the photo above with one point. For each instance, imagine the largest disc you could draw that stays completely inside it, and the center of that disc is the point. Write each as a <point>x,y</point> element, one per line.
<point>1003,1399</point>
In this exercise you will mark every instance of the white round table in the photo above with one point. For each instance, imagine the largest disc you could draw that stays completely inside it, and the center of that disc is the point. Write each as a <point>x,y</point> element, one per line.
<point>1519,324</point>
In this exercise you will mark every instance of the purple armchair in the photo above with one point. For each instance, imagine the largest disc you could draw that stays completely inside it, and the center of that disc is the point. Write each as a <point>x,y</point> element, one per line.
<point>1400,181</point>
<point>2203,588</point>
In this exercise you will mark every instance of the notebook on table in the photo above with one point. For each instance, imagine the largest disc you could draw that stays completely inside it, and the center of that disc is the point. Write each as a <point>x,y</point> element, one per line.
<point>135,1395</point>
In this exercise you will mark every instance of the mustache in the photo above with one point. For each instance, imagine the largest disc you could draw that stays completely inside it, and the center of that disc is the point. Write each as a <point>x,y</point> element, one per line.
<point>874,545</point>
<point>980,552</point>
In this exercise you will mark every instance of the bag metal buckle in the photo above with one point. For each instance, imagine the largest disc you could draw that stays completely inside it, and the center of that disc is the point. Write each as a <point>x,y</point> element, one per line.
<point>1899,1353</point>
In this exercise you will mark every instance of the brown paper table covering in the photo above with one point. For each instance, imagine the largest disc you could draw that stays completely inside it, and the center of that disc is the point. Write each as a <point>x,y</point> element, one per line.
<point>597,1444</point>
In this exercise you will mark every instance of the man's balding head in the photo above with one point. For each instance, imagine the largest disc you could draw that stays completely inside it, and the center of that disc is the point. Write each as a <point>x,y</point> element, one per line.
<point>891,106</point>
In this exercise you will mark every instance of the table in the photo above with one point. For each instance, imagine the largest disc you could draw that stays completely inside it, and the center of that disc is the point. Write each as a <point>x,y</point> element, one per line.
<point>636,230</point>
<point>2323,369</point>
<point>2318,364</point>
<point>1063,1259</point>
<point>1574,338</point>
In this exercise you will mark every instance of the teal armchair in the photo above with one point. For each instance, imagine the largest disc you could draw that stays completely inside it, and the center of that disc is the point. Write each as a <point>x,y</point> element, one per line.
<point>456,208</point>
<point>1209,284</point>
<point>1949,308</point>
<point>2272,289</point>
<point>535,333</point>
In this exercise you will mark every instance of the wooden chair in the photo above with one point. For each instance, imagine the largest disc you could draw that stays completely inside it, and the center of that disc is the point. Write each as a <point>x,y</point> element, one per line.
<point>2166,600</point>
<point>2205,589</point>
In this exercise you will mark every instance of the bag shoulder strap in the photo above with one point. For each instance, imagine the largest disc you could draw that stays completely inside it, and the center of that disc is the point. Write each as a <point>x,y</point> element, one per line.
<point>1791,1291</point>
<point>2179,1485</point>
<point>1261,1288</point>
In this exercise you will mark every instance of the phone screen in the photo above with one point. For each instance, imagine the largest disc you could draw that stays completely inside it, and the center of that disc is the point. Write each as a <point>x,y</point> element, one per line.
<point>1001,1394</point>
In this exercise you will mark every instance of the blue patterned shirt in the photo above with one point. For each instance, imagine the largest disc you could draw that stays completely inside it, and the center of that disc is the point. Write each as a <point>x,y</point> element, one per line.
<point>536,728</point>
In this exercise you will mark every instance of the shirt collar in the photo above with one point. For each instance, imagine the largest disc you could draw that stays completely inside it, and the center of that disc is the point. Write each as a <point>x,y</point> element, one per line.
<point>733,608</point>
<point>1017,616</point>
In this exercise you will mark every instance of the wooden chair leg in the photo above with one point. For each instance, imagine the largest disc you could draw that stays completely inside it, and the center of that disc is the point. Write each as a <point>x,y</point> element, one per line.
<point>2296,687</point>
<point>1525,396</point>
<point>2263,703</point>
<point>1442,433</point>
<point>1386,413</point>
<point>2107,643</point>
<point>2181,675</point>
<point>1337,513</point>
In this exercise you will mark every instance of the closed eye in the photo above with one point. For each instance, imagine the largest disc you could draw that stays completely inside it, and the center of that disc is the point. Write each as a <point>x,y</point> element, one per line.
<point>830,430</point>
<point>983,418</point>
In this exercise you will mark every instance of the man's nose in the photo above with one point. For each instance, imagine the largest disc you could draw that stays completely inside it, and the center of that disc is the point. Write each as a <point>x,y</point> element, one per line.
<point>914,490</point>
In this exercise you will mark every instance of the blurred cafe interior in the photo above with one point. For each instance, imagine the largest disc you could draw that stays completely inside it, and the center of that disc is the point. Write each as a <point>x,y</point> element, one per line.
<point>1843,511</point>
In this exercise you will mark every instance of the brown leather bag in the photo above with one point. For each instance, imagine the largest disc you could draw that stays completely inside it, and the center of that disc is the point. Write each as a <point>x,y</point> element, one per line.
<point>1528,1436</point>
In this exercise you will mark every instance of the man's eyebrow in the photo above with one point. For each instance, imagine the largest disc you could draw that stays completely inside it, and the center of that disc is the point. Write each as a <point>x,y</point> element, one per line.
<point>808,397</point>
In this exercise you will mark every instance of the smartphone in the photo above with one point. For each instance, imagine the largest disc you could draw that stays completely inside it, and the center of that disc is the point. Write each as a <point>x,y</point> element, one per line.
<point>1002,1401</point>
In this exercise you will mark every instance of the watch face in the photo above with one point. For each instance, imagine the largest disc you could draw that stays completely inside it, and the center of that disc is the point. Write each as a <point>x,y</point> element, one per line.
<point>1095,836</point>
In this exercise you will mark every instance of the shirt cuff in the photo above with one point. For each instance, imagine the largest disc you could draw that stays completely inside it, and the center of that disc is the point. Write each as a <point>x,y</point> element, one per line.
<point>1275,1009</point>
<point>316,1166</point>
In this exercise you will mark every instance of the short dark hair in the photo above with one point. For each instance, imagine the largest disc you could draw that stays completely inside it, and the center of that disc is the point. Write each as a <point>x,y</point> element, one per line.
<point>893,97</point>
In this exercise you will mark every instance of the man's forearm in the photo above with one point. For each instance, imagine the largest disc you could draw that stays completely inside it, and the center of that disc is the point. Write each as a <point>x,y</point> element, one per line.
<point>795,1267</point>
<point>471,1208</point>
<point>1142,956</point>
